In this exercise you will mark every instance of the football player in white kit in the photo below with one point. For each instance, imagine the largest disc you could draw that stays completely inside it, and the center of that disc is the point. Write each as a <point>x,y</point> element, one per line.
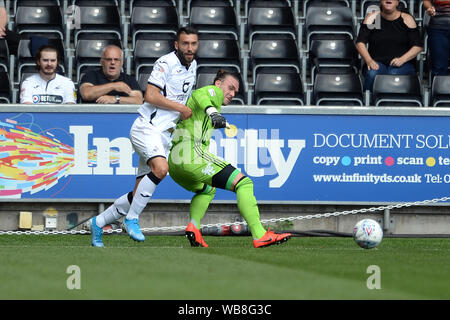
<point>169,87</point>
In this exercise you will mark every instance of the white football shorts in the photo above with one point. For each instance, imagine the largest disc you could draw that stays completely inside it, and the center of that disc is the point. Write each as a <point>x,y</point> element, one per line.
<point>149,142</point>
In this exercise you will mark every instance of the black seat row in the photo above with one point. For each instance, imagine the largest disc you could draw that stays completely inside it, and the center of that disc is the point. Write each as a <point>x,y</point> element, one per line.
<point>283,86</point>
<point>219,17</point>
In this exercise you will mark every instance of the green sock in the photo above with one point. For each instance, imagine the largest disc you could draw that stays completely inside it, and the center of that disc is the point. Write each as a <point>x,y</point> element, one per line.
<point>199,205</point>
<point>248,207</point>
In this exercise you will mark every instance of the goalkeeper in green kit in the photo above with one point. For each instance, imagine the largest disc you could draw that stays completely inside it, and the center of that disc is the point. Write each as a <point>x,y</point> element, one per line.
<point>194,168</point>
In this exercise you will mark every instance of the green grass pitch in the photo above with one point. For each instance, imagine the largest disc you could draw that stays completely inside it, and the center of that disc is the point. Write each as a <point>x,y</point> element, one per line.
<point>167,268</point>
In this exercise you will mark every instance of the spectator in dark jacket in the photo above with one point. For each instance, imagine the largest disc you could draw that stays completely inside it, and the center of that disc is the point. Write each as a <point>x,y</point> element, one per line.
<point>109,84</point>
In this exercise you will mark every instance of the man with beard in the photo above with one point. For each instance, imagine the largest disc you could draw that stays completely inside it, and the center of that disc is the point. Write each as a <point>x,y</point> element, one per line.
<point>169,86</point>
<point>47,87</point>
<point>108,84</point>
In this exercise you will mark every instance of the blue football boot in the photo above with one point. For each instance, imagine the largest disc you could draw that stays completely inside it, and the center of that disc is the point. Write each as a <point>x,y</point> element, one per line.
<point>131,226</point>
<point>96,233</point>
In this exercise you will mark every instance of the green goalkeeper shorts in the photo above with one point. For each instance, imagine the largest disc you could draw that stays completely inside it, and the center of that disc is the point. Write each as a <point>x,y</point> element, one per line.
<point>192,171</point>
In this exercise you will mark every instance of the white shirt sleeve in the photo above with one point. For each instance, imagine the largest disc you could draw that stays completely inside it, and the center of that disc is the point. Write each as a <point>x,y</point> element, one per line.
<point>26,91</point>
<point>158,77</point>
<point>70,95</point>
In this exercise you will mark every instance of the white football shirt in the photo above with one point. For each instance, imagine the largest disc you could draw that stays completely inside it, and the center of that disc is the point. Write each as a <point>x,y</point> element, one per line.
<point>176,83</point>
<point>38,91</point>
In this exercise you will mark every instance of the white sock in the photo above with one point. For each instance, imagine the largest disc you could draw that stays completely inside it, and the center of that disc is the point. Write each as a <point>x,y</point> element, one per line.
<point>114,212</point>
<point>144,192</point>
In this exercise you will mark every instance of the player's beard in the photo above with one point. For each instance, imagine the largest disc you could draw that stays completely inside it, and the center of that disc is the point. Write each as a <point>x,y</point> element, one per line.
<point>182,57</point>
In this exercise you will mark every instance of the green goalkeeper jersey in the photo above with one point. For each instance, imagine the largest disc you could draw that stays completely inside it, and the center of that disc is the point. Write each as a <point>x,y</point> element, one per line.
<point>198,128</point>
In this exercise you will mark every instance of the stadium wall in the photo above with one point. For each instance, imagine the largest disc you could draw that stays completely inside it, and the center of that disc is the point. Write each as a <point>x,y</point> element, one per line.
<point>74,160</point>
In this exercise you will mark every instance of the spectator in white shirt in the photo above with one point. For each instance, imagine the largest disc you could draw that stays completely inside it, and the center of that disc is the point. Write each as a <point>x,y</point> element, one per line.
<point>47,87</point>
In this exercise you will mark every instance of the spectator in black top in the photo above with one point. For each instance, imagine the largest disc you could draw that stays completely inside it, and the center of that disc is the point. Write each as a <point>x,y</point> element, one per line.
<point>109,84</point>
<point>438,35</point>
<point>394,40</point>
<point>12,38</point>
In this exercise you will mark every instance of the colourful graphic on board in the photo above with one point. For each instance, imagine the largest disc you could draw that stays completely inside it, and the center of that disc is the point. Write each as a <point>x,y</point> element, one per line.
<point>34,161</point>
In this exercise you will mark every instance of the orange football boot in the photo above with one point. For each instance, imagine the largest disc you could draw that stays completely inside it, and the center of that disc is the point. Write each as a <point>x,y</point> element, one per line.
<point>194,236</point>
<point>270,238</point>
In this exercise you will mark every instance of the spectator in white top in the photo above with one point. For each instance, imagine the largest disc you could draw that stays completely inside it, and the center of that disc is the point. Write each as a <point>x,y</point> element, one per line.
<point>47,87</point>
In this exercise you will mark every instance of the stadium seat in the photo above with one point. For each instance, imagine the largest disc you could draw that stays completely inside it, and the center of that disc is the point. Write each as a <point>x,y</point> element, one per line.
<point>338,90</point>
<point>270,17</point>
<point>214,17</point>
<point>272,3</point>
<point>332,56</point>
<point>26,61</point>
<point>325,3</point>
<point>89,49</point>
<point>153,17</point>
<point>397,90</point>
<point>34,3</point>
<point>4,55</point>
<point>5,88</point>
<point>138,3</point>
<point>149,48</point>
<point>274,51</point>
<point>39,17</point>
<point>278,86</point>
<point>206,75</point>
<point>218,50</point>
<point>191,3</point>
<point>29,71</point>
<point>440,91</point>
<point>328,23</point>
<point>100,17</point>
<point>143,76</point>
<point>322,3</point>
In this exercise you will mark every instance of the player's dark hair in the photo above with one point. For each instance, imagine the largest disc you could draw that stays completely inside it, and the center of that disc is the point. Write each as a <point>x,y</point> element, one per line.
<point>46,47</point>
<point>222,74</point>
<point>187,30</point>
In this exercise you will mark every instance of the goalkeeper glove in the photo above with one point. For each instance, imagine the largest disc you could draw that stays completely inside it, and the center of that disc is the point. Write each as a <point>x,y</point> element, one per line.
<point>217,120</point>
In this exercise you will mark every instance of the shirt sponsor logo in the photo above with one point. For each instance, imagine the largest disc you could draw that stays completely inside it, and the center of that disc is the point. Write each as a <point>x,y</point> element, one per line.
<point>186,86</point>
<point>36,98</point>
<point>47,98</point>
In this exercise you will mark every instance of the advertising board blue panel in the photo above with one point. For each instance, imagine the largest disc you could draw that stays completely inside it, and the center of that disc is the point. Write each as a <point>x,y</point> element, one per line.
<point>289,157</point>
